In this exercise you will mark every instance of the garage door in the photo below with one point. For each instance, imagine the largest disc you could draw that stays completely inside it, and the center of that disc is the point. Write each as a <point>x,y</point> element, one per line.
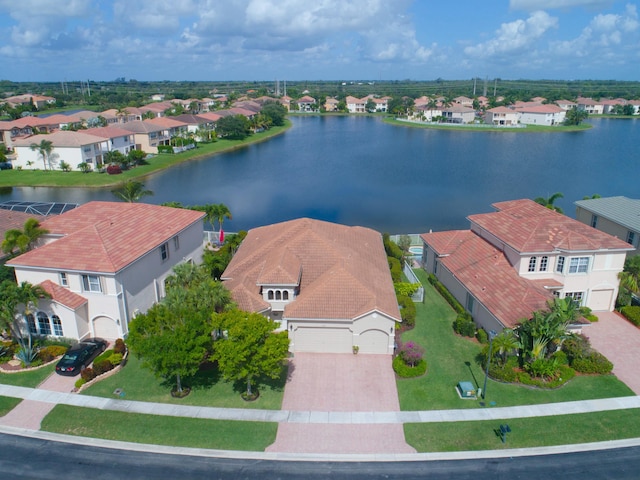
<point>600,300</point>
<point>322,340</point>
<point>105,327</point>
<point>373,341</point>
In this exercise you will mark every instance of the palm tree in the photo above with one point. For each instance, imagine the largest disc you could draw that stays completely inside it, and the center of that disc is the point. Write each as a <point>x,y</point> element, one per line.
<point>131,191</point>
<point>504,343</point>
<point>121,113</point>
<point>23,239</point>
<point>13,295</point>
<point>549,202</point>
<point>629,280</point>
<point>44,148</point>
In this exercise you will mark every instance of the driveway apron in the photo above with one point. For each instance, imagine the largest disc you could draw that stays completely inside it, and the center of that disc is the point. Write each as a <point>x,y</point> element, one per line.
<point>340,383</point>
<point>619,341</point>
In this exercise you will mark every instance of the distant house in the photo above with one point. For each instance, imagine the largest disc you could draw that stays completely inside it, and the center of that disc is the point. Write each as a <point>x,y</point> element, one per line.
<point>331,104</point>
<point>502,116</point>
<point>306,103</point>
<point>70,147</point>
<point>24,127</point>
<point>547,115</point>
<point>591,106</point>
<point>512,261</point>
<point>171,126</point>
<point>617,216</point>
<point>458,114</point>
<point>104,262</point>
<point>39,101</point>
<point>566,104</point>
<point>328,285</point>
<point>356,105</point>
<point>148,136</point>
<point>115,139</point>
<point>464,101</point>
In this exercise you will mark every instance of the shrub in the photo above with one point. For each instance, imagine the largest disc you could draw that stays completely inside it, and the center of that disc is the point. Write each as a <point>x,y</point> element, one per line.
<point>411,353</point>
<point>120,347</point>
<point>102,366</point>
<point>407,311</point>
<point>576,347</point>
<point>52,351</point>
<point>64,166</point>
<point>561,356</point>
<point>451,300</point>
<point>594,362</point>
<point>114,169</point>
<point>88,374</point>
<point>405,371</point>
<point>505,373</point>
<point>81,381</point>
<point>396,269</point>
<point>464,325</point>
<point>391,248</point>
<point>44,355</point>
<point>103,356</point>
<point>115,359</point>
<point>632,313</point>
<point>165,149</point>
<point>482,336</point>
<point>586,313</point>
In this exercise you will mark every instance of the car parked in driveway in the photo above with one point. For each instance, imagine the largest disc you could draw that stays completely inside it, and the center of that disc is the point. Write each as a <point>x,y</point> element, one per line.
<point>80,356</point>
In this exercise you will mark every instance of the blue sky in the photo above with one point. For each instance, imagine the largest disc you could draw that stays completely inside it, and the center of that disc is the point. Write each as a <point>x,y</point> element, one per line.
<point>53,40</point>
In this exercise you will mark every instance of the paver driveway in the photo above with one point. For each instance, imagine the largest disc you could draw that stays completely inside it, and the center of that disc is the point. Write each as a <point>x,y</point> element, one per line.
<point>619,341</point>
<point>340,383</point>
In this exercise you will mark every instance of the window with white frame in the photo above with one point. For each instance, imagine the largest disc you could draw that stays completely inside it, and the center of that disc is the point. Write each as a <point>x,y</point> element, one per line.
<point>43,324</point>
<point>31,323</point>
<point>57,325</point>
<point>91,283</point>
<point>631,237</point>
<point>575,296</point>
<point>560,265</point>
<point>544,261</point>
<point>532,264</point>
<point>579,265</point>
<point>64,281</point>
<point>164,251</point>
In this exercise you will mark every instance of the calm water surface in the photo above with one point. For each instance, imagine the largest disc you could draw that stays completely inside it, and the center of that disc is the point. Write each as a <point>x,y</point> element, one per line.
<point>360,171</point>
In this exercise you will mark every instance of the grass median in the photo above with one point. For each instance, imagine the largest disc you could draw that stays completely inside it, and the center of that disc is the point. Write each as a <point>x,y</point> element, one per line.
<point>28,378</point>
<point>160,430</point>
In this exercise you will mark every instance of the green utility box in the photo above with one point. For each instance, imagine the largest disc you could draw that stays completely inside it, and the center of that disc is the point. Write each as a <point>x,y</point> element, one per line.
<point>466,390</point>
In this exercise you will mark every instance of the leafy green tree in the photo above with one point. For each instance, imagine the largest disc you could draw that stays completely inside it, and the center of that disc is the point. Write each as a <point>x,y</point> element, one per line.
<point>116,157</point>
<point>137,157</point>
<point>215,262</point>
<point>370,106</point>
<point>592,197</point>
<point>44,149</point>
<point>131,191</point>
<point>233,127</point>
<point>275,112</point>
<point>575,116</point>
<point>13,296</point>
<point>550,202</point>
<point>249,348</point>
<point>629,280</point>
<point>24,239</point>
<point>84,167</point>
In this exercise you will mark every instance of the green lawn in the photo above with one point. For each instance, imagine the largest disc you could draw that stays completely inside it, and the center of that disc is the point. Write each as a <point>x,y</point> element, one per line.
<point>31,378</point>
<point>208,389</point>
<point>160,430</point>
<point>41,178</point>
<point>7,404</point>
<point>452,359</point>
<point>472,128</point>
<point>526,432</point>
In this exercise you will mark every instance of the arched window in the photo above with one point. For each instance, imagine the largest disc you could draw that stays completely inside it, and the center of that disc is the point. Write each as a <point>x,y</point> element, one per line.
<point>43,324</point>
<point>270,295</point>
<point>532,264</point>
<point>32,324</point>
<point>285,295</point>
<point>278,295</point>
<point>57,325</point>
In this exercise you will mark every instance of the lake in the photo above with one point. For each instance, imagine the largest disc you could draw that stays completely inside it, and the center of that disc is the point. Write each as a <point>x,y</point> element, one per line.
<point>361,171</point>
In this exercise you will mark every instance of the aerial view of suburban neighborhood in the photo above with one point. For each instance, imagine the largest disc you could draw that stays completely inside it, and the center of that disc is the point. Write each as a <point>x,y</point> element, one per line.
<point>277,251</point>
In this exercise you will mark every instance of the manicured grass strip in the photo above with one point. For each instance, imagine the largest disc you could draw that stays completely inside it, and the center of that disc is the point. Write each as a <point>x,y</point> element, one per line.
<point>31,378</point>
<point>481,128</point>
<point>525,432</point>
<point>451,359</point>
<point>160,430</point>
<point>58,178</point>
<point>7,404</point>
<point>207,388</point>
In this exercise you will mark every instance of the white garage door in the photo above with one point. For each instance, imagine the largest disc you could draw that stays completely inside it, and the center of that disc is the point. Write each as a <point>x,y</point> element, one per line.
<point>322,340</point>
<point>373,341</point>
<point>105,327</point>
<point>600,300</point>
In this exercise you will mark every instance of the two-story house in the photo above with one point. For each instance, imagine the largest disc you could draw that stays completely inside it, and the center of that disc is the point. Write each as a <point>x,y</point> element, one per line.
<point>618,216</point>
<point>511,262</point>
<point>327,284</point>
<point>104,262</point>
<point>72,148</point>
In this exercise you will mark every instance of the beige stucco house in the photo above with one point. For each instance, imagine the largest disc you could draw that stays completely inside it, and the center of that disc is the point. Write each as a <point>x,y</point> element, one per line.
<point>104,262</point>
<point>329,285</point>
<point>512,261</point>
<point>618,216</point>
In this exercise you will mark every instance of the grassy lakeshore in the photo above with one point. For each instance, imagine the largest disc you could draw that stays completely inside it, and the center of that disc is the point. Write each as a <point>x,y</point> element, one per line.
<point>488,128</point>
<point>58,178</point>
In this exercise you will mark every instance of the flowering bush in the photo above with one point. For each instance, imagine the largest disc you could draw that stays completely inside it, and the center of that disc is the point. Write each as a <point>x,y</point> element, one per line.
<point>114,169</point>
<point>411,353</point>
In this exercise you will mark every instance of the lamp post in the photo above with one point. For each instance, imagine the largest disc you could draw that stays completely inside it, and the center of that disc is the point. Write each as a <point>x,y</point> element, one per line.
<point>492,334</point>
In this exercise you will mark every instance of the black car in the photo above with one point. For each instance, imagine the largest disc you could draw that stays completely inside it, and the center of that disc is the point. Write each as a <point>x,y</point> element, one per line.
<point>6,166</point>
<point>80,356</point>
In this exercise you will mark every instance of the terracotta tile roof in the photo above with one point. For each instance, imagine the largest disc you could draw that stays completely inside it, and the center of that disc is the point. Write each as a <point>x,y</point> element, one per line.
<point>191,119</point>
<point>210,116</point>
<point>306,99</point>
<point>502,110</point>
<point>488,275</point>
<point>531,228</point>
<point>344,269</point>
<point>61,138</point>
<point>106,236</point>
<point>167,122</point>
<point>23,122</point>
<point>539,109</point>
<point>63,295</point>
<point>141,126</point>
<point>109,132</point>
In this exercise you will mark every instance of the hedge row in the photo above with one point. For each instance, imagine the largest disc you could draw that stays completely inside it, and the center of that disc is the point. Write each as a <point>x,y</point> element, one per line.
<point>446,294</point>
<point>632,313</point>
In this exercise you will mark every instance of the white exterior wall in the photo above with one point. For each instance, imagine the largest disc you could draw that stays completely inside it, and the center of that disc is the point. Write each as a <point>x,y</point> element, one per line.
<point>378,325</point>
<point>610,227</point>
<point>72,155</point>
<point>531,118</point>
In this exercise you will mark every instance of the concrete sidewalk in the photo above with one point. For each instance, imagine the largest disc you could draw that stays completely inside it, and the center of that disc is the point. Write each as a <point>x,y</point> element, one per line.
<point>319,417</point>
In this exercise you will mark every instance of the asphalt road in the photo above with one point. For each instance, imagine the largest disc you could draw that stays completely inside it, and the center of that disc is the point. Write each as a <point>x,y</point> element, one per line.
<point>34,459</point>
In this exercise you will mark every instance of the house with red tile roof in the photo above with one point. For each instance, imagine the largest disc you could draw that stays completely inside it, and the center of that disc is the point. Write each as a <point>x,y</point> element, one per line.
<point>501,116</point>
<point>327,284</point>
<point>356,105</point>
<point>589,105</point>
<point>39,101</point>
<point>147,135</point>
<point>512,261</point>
<point>458,114</point>
<point>305,103</point>
<point>547,115</point>
<point>115,139</point>
<point>104,262</point>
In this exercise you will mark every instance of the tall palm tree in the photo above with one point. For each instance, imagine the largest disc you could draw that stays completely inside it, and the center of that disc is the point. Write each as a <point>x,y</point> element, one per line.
<point>12,296</point>
<point>504,343</point>
<point>549,202</point>
<point>222,212</point>
<point>44,149</point>
<point>121,113</point>
<point>131,191</point>
<point>23,239</point>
